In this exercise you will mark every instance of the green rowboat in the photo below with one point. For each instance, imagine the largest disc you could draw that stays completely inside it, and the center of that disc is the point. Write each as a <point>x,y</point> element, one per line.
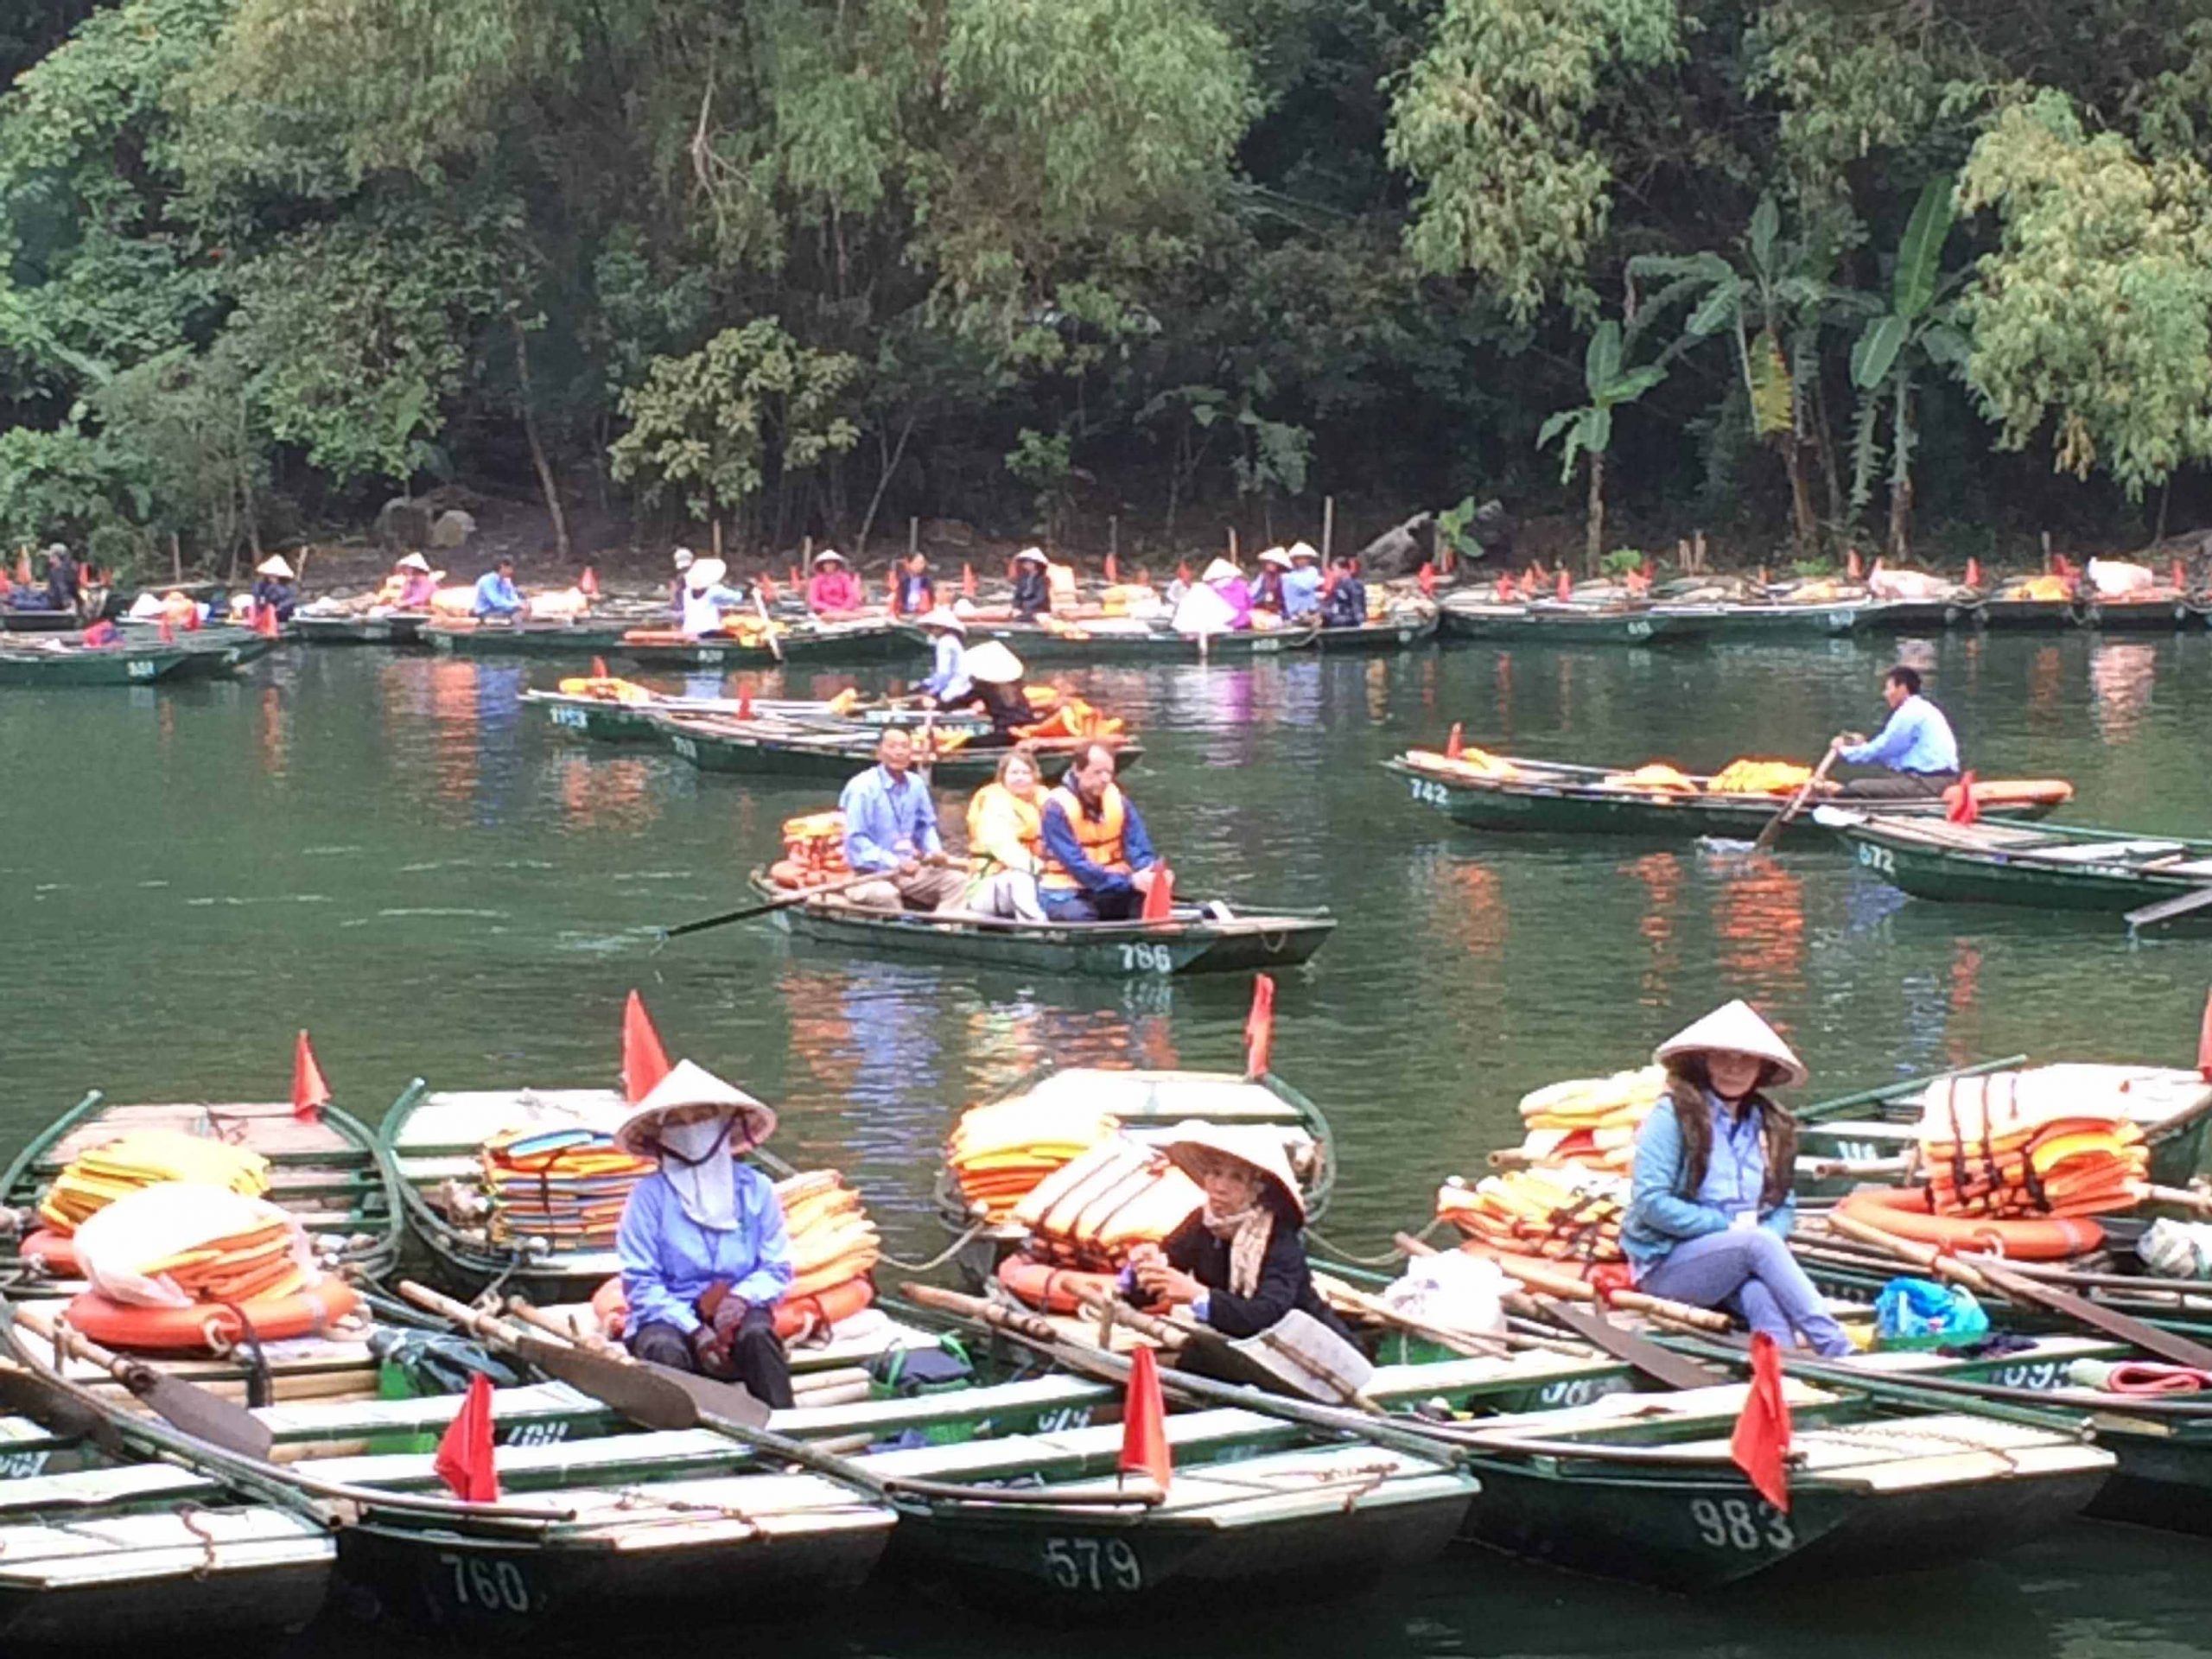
<point>1732,622</point>
<point>2028,615</point>
<point>101,665</point>
<point>1190,944</point>
<point>1389,633</point>
<point>1551,798</point>
<point>766,747</point>
<point>2161,615</point>
<point>1120,639</point>
<point>1466,616</point>
<point>386,628</point>
<point>212,653</point>
<point>2051,867</point>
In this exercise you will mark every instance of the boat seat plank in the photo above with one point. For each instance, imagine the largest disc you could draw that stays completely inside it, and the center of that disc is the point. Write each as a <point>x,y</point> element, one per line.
<point>267,1127</point>
<point>1898,1455</point>
<point>92,1489</point>
<point>2105,852</point>
<point>1723,1403</point>
<point>1289,1486</point>
<point>463,1121</point>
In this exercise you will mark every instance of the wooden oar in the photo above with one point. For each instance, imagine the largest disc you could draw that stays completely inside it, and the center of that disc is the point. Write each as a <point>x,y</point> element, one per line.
<point>1776,824</point>
<point>2167,909</point>
<point>199,1412</point>
<point>762,909</point>
<point>767,626</point>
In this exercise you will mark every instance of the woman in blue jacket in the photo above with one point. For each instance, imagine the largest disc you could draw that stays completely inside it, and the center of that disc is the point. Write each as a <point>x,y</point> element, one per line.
<point>1710,1206</point>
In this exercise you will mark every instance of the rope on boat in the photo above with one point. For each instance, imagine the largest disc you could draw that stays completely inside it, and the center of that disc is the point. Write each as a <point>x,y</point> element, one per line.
<point>188,1515</point>
<point>1391,1260</point>
<point>940,1258</point>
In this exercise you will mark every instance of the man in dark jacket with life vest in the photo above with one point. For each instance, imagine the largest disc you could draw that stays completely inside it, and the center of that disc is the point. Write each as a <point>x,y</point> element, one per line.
<point>1098,860</point>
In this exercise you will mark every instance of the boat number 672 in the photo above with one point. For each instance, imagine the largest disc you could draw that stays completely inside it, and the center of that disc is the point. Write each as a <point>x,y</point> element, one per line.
<point>1093,1564</point>
<point>1147,959</point>
<point>1878,858</point>
<point>1739,1523</point>
<point>1433,794</point>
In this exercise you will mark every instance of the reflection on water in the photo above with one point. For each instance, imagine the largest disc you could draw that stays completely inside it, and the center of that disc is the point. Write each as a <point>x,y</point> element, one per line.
<point>2122,678</point>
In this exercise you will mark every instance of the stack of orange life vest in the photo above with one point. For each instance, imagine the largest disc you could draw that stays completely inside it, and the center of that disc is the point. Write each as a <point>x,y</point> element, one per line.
<point>567,1185</point>
<point>1655,776</point>
<point>606,688</point>
<point>1590,1121</point>
<point>1567,1215</point>
<point>1750,776</point>
<point>999,1152</point>
<point>1091,1211</point>
<point>814,851</point>
<point>1470,762</point>
<point>2048,1141</point>
<point>1073,718</point>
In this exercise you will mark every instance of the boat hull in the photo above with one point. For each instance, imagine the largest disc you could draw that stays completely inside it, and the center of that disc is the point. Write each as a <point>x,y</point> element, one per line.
<point>400,630</point>
<point>233,1605</point>
<point>1523,623</point>
<point>1958,877</point>
<point>2028,615</point>
<point>1375,638</point>
<point>1734,623</point>
<point>2143,616</point>
<point>801,759</point>
<point>125,666</point>
<point>1041,645</point>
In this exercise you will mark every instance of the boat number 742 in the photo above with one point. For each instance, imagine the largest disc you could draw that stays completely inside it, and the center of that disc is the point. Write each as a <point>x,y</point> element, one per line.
<point>1147,959</point>
<point>1433,794</point>
<point>1740,1523</point>
<point>1093,1564</point>
<point>1878,858</point>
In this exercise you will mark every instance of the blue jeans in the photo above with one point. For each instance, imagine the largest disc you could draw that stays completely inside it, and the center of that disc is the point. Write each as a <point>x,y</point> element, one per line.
<point>1751,1273</point>
<point>1080,906</point>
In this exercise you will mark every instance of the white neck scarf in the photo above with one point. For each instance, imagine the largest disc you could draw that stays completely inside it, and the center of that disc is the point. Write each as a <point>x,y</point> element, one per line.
<point>696,1160</point>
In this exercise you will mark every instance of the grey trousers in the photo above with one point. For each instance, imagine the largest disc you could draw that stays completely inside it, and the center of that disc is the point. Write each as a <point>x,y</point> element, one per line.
<point>1752,1274</point>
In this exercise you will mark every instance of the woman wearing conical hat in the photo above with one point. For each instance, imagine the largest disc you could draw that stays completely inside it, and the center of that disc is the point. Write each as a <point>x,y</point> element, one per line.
<point>705,1256</point>
<point>1239,1263</point>
<point>1710,1204</point>
<point>275,587</point>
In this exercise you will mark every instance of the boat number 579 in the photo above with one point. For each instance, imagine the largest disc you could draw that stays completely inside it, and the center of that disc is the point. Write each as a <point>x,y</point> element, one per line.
<point>1092,1564</point>
<point>1878,858</point>
<point>1739,1523</point>
<point>1433,794</point>
<point>1147,959</point>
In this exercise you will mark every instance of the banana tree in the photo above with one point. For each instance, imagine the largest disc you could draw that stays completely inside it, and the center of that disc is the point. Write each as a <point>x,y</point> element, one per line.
<point>1917,328</point>
<point>1588,431</point>
<point>1774,293</point>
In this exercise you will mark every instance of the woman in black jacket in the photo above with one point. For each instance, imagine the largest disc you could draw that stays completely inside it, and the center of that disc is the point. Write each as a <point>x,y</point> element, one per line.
<point>1238,1263</point>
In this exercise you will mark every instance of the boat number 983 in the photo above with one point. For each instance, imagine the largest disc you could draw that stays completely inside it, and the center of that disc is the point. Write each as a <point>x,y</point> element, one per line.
<point>1876,859</point>
<point>1739,1523</point>
<point>1433,794</point>
<point>1092,1564</point>
<point>1147,959</point>
<point>495,1586</point>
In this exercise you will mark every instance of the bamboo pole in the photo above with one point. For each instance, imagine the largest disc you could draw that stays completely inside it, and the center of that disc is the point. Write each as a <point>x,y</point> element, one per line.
<point>1328,526</point>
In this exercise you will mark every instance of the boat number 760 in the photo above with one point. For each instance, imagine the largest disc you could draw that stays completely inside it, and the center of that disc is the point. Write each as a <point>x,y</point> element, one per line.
<point>495,1586</point>
<point>1878,858</point>
<point>1093,1564</point>
<point>1739,1523</point>
<point>1433,794</point>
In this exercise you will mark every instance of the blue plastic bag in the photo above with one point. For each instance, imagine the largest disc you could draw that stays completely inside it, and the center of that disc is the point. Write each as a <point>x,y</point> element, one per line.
<point>1921,1314</point>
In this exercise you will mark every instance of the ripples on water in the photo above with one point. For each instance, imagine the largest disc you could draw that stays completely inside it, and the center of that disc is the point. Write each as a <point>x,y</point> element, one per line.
<point>389,850</point>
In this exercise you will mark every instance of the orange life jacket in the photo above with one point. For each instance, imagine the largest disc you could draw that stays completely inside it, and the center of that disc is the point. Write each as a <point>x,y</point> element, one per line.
<point>1099,838</point>
<point>1028,816</point>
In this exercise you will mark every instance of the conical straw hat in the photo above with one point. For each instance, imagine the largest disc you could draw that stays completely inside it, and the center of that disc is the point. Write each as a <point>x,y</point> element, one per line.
<point>1258,1149</point>
<point>688,1084</point>
<point>1735,1028</point>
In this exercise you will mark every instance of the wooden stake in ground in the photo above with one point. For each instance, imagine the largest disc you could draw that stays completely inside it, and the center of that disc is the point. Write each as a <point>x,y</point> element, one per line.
<point>1328,526</point>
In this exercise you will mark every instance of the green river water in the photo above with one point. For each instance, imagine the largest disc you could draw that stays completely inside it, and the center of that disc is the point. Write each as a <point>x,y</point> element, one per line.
<point>388,850</point>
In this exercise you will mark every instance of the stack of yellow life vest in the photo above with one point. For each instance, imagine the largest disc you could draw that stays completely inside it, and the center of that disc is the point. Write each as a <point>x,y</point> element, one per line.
<point>1590,1121</point>
<point>1567,1215</point>
<point>1654,776</point>
<point>147,1157</point>
<point>1471,762</point>
<point>814,851</point>
<point>2042,588</point>
<point>2041,1142</point>
<point>607,689</point>
<point>1750,776</point>
<point>566,1185</point>
<point>1000,1152</point>
<point>1092,1211</point>
<point>833,1242</point>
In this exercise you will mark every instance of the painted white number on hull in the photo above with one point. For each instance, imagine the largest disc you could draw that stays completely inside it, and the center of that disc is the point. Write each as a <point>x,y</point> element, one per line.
<point>710,656</point>
<point>21,1466</point>
<point>574,719</point>
<point>2048,1374</point>
<point>1639,629</point>
<point>139,669</point>
<point>552,1433</point>
<point>1876,859</point>
<point>1147,959</point>
<point>1740,1523</point>
<point>1260,646</point>
<point>1062,1418</point>
<point>1432,794</point>
<point>687,748</point>
<point>1092,1564</point>
<point>495,1586</point>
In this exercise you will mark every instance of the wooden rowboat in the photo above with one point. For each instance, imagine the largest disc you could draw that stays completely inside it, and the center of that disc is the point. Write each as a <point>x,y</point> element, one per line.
<point>1190,944</point>
<point>770,747</point>
<point>132,664</point>
<point>211,652</point>
<point>1778,619</point>
<point>1122,640</point>
<point>605,721</point>
<point>16,621</point>
<point>330,1173</point>
<point>1549,798</point>
<point>2050,867</point>
<point>1399,632</point>
<point>1469,616</point>
<point>374,628</point>
<point>839,642</point>
<point>2161,614</point>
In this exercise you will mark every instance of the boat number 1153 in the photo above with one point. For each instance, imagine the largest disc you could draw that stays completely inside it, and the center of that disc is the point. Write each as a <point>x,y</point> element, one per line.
<point>1433,794</point>
<point>1740,1523</point>
<point>1092,1564</point>
<point>1876,859</point>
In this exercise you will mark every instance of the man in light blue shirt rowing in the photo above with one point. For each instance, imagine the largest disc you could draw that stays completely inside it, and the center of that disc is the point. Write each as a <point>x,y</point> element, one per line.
<point>890,833</point>
<point>1917,747</point>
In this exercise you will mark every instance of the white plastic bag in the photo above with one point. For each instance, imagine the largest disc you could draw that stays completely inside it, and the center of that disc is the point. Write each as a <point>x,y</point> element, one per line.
<point>144,1227</point>
<point>1202,611</point>
<point>1451,1290</point>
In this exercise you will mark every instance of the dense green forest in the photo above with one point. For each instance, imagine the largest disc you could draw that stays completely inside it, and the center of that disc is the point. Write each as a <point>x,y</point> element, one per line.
<point>1793,271</point>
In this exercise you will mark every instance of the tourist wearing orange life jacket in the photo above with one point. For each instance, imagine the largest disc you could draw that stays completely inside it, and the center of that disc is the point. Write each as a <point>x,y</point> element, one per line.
<point>1005,841</point>
<point>1098,860</point>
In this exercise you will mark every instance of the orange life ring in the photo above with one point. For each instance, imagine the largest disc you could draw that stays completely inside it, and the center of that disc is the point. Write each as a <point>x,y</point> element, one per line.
<point>55,1254</point>
<point>796,1316</point>
<point>1054,1290</point>
<point>206,1327</point>
<point>1904,1211</point>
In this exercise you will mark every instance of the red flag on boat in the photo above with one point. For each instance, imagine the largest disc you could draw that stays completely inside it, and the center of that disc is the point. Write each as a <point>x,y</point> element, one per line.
<point>465,1460</point>
<point>967,579</point>
<point>24,566</point>
<point>644,1062</point>
<point>1648,568</point>
<point>309,1092</point>
<point>1182,571</point>
<point>167,633</point>
<point>794,575</point>
<point>2204,1041</point>
<point>1160,898</point>
<point>1260,1027</point>
<point>1564,590</point>
<point>1144,1422</point>
<point>1963,809</point>
<point>745,703</point>
<point>1113,571</point>
<point>599,668</point>
<point>588,583</point>
<point>1973,573</point>
<point>265,622</point>
<point>1505,590</point>
<point>1456,744</point>
<point>766,586</point>
<point>2177,576</point>
<point>1852,567</point>
<point>1427,579</point>
<point>1760,1445</point>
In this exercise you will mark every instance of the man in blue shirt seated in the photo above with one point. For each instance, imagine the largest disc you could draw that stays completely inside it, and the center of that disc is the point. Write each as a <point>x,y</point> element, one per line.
<point>1098,862</point>
<point>496,594</point>
<point>1917,747</point>
<point>891,831</point>
<point>1346,604</point>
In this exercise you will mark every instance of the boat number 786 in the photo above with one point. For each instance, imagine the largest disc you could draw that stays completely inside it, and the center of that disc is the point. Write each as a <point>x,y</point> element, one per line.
<point>1147,959</point>
<point>1878,858</point>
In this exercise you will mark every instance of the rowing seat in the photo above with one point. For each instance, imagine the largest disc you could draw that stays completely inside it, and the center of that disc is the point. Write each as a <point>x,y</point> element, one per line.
<point>2107,852</point>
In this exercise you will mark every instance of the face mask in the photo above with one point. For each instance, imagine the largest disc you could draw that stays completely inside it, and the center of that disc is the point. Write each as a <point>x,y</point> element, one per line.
<point>694,1143</point>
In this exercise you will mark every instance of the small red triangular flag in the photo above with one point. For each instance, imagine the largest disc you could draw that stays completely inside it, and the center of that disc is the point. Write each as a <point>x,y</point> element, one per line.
<point>1565,589</point>
<point>745,703</point>
<point>644,1062</point>
<point>1260,1027</point>
<point>794,576</point>
<point>1144,1423</point>
<point>465,1460</point>
<point>588,583</point>
<point>1973,573</point>
<point>24,566</point>
<point>309,1092</point>
<point>1456,744</point>
<point>1963,809</point>
<point>1852,567</point>
<point>168,634</point>
<point>1648,568</point>
<point>968,580</point>
<point>2204,1041</point>
<point>1760,1445</point>
<point>1113,570</point>
<point>768,587</point>
<point>599,668</point>
<point>1182,571</point>
<point>1427,577</point>
<point>1160,898</point>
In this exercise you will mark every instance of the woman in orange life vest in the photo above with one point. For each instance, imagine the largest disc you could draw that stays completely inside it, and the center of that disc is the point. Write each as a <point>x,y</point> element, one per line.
<point>1098,860</point>
<point>705,1256</point>
<point>1005,841</point>
<point>1238,1264</point>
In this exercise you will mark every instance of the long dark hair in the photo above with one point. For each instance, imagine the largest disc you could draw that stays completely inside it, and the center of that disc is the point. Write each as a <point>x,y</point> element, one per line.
<point>1687,1082</point>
